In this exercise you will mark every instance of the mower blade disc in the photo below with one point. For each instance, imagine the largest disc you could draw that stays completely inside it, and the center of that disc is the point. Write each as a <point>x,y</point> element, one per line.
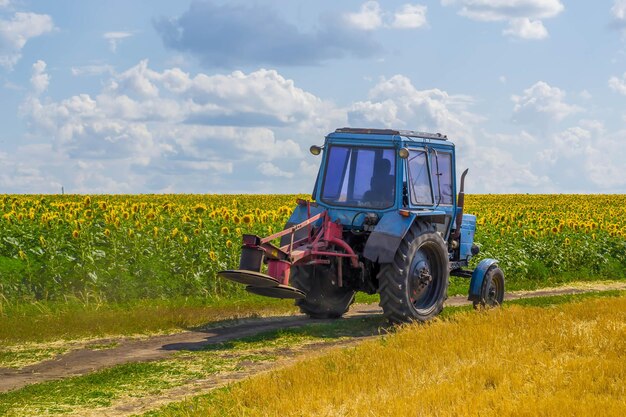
<point>280,291</point>
<point>253,278</point>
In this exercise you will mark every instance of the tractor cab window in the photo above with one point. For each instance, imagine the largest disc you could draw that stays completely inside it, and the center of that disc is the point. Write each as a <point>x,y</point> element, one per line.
<point>360,177</point>
<point>419,181</point>
<point>441,172</point>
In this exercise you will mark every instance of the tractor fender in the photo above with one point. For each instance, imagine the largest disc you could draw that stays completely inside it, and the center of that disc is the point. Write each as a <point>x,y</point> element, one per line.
<point>383,242</point>
<point>478,276</point>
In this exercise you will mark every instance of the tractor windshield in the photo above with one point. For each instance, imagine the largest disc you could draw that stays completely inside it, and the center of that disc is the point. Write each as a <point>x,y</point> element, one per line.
<point>360,177</point>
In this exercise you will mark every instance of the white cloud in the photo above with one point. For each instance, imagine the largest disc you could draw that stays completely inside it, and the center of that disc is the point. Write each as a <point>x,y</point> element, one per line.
<point>540,101</point>
<point>618,84</point>
<point>270,170</point>
<point>369,17</point>
<point>497,10</point>
<point>172,131</point>
<point>502,79</point>
<point>525,28</point>
<point>395,102</point>
<point>618,11</point>
<point>138,80</point>
<point>410,16</point>
<point>497,169</point>
<point>40,79</point>
<point>18,173</point>
<point>572,141</point>
<point>586,158</point>
<point>91,70</point>
<point>308,170</point>
<point>169,130</point>
<point>5,3</point>
<point>115,38</point>
<point>507,139</point>
<point>524,16</point>
<point>15,33</point>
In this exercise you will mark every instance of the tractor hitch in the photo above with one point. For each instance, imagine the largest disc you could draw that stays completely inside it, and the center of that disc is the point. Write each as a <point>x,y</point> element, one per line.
<point>320,244</point>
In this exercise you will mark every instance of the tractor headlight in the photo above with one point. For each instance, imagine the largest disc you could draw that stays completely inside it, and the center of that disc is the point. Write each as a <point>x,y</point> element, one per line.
<point>403,153</point>
<point>315,150</point>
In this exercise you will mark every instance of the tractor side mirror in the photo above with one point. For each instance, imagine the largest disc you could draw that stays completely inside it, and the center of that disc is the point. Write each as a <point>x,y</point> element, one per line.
<point>315,150</point>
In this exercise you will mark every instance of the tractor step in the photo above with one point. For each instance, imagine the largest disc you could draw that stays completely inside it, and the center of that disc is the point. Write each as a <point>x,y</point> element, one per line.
<point>252,278</point>
<point>279,291</point>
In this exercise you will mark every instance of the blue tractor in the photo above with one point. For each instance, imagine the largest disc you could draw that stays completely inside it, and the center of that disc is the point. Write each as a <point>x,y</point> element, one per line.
<point>384,218</point>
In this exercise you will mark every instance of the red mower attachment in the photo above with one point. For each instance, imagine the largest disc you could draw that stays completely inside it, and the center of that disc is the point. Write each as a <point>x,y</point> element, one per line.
<point>318,247</point>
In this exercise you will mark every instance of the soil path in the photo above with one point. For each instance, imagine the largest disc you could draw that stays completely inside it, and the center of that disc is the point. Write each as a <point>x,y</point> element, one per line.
<point>83,361</point>
<point>131,406</point>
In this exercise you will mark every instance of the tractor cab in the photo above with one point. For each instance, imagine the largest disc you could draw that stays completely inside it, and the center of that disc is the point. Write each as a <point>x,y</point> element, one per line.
<point>383,170</point>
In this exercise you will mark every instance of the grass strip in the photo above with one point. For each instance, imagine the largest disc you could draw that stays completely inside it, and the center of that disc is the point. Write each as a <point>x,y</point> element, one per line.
<point>71,320</point>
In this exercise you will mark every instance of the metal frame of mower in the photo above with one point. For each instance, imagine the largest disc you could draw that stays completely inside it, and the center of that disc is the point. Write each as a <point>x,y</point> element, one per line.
<point>405,250</point>
<point>316,248</point>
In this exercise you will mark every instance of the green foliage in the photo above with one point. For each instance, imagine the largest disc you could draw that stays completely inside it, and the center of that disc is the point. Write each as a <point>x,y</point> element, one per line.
<point>116,248</point>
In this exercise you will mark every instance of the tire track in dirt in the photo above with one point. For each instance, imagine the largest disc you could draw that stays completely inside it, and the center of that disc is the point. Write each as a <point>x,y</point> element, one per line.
<point>138,405</point>
<point>82,361</point>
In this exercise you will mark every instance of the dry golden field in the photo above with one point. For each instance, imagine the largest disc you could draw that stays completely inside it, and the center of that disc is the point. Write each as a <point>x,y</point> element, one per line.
<point>567,360</point>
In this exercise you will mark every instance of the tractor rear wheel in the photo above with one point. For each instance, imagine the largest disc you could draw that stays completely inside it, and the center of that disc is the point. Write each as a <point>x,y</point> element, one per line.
<point>324,299</point>
<point>492,290</point>
<point>415,285</point>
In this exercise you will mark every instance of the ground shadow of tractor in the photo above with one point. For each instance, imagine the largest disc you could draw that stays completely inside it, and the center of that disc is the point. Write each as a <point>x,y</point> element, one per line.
<point>284,331</point>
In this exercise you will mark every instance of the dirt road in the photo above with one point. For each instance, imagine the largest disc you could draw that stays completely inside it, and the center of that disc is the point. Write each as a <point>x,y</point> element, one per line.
<point>83,361</point>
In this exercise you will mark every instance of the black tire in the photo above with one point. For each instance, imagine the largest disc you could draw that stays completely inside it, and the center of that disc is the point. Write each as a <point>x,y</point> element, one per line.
<point>324,299</point>
<point>415,285</point>
<point>492,290</point>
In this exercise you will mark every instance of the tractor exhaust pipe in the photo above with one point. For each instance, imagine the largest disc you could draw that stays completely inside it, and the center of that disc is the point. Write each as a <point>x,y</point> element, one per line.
<point>460,202</point>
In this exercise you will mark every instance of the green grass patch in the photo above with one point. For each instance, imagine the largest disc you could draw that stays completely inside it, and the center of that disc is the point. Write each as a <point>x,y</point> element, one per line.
<point>45,321</point>
<point>96,390</point>
<point>74,319</point>
<point>352,327</point>
<point>555,300</point>
<point>102,346</point>
<point>20,356</point>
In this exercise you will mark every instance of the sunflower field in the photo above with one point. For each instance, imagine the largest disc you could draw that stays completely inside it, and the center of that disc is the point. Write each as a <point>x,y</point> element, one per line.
<point>123,247</point>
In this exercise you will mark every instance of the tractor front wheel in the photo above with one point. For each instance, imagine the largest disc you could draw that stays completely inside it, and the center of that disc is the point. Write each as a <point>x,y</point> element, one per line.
<point>415,285</point>
<point>324,299</point>
<point>492,290</point>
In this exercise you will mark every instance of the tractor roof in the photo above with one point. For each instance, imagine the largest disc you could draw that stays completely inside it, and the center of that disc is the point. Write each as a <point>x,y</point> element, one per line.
<point>391,135</point>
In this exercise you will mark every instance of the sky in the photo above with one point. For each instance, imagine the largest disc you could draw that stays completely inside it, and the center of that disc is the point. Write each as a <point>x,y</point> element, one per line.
<point>213,96</point>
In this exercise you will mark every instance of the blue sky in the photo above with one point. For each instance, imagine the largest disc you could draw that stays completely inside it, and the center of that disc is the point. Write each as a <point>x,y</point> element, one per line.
<point>227,96</point>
